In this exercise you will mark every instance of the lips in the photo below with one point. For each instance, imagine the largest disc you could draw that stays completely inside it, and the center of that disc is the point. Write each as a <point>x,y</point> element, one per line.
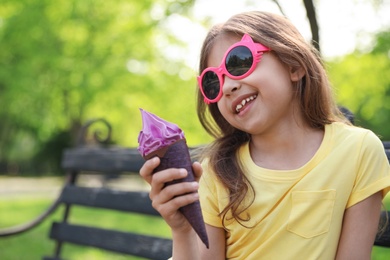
<point>245,101</point>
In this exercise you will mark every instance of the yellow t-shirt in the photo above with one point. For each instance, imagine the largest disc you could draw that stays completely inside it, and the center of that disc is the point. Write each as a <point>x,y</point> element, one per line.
<point>297,214</point>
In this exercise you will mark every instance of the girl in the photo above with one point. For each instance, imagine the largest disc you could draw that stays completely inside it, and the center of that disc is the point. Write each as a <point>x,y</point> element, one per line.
<point>286,177</point>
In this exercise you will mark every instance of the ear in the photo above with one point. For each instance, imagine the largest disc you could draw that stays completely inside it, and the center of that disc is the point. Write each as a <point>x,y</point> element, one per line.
<point>296,74</point>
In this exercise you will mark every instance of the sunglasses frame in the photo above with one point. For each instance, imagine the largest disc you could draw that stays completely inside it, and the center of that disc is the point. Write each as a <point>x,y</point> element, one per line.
<point>257,50</point>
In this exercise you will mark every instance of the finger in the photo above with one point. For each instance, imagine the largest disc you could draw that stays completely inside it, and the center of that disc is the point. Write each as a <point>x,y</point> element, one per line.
<point>176,196</point>
<point>170,210</point>
<point>146,170</point>
<point>160,179</point>
<point>173,205</point>
<point>161,192</point>
<point>198,170</point>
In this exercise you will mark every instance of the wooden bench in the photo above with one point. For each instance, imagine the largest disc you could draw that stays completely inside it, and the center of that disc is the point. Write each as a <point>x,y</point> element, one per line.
<point>112,161</point>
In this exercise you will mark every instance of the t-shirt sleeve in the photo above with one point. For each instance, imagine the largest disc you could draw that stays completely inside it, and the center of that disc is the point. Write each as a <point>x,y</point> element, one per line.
<point>373,170</point>
<point>208,196</point>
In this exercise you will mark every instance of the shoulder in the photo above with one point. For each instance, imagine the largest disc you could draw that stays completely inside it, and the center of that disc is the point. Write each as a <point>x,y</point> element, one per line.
<point>360,136</point>
<point>355,142</point>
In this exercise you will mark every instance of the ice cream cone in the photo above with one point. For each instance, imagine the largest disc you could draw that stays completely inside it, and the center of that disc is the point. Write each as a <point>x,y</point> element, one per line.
<point>177,155</point>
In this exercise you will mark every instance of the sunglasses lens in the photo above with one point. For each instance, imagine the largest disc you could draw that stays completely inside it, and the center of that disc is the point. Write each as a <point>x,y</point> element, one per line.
<point>210,85</point>
<point>239,61</point>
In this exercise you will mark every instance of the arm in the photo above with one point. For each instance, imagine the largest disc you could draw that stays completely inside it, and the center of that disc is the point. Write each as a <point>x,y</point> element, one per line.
<point>183,245</point>
<point>217,250</point>
<point>360,225</point>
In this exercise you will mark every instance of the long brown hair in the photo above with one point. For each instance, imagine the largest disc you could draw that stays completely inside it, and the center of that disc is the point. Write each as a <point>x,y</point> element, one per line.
<point>313,93</point>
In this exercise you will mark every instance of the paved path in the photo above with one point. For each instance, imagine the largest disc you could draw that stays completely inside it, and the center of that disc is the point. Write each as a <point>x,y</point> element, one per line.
<point>13,187</point>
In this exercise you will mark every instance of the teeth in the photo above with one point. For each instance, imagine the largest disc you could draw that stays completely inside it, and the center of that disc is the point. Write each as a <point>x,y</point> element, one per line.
<point>243,103</point>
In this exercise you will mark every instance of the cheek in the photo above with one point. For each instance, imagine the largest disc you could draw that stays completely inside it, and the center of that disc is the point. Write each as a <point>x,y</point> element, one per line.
<point>227,114</point>
<point>274,82</point>
<point>222,108</point>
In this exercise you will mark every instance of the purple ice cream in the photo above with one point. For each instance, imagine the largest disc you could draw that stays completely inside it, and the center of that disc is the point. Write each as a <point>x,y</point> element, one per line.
<point>156,133</point>
<point>166,140</point>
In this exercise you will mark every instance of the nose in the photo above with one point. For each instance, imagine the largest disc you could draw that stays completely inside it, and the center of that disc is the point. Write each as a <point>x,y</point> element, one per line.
<point>230,85</point>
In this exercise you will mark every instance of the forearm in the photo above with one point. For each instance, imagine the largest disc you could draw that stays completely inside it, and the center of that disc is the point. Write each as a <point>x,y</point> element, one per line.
<point>185,246</point>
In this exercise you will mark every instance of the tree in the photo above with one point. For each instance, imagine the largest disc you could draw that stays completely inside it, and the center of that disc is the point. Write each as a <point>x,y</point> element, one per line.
<point>362,83</point>
<point>312,17</point>
<point>361,80</point>
<point>67,61</point>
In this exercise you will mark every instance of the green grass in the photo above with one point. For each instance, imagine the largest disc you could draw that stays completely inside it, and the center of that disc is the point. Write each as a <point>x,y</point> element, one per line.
<point>35,243</point>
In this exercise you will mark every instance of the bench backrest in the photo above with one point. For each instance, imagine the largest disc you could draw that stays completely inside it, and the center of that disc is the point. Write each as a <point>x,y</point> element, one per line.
<point>107,161</point>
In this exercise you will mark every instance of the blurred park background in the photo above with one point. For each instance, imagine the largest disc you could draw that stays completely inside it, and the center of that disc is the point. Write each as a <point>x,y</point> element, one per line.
<point>64,62</point>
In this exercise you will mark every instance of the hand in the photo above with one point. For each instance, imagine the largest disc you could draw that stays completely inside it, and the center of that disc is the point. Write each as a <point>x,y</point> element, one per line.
<point>168,199</point>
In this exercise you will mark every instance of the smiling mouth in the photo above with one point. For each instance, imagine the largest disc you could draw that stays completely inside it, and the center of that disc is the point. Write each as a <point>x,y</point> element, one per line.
<point>244,102</point>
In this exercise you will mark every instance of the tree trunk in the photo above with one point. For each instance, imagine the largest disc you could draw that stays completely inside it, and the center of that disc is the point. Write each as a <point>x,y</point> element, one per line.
<point>311,15</point>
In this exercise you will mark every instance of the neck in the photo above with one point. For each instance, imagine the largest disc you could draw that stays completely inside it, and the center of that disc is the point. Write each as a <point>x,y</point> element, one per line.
<point>288,148</point>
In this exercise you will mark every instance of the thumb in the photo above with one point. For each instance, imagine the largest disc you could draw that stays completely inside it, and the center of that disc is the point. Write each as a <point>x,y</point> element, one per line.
<point>198,170</point>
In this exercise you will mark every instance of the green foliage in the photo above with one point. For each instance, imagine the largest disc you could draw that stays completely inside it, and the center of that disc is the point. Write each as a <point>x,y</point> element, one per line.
<point>67,61</point>
<point>382,43</point>
<point>362,83</point>
<point>64,62</point>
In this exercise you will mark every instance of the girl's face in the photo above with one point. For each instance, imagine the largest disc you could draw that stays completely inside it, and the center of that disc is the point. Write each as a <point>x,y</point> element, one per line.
<point>263,101</point>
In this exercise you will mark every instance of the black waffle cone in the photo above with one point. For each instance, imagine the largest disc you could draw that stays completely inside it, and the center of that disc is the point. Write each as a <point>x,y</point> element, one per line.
<point>177,155</point>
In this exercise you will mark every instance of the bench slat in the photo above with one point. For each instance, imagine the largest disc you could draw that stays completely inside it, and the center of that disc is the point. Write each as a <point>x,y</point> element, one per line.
<point>129,201</point>
<point>117,241</point>
<point>108,159</point>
